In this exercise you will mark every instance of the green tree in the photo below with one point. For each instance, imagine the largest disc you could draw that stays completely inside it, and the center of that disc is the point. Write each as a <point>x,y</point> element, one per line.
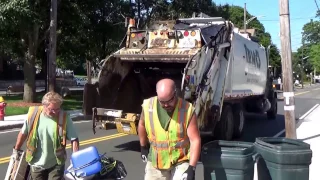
<point>310,34</point>
<point>315,56</point>
<point>29,20</point>
<point>235,14</point>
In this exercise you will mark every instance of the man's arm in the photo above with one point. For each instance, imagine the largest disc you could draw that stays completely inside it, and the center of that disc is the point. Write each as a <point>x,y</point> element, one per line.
<point>22,136</point>
<point>142,131</point>
<point>195,141</point>
<point>72,135</point>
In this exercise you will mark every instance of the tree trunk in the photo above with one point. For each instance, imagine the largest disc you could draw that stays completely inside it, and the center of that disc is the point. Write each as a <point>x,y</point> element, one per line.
<point>29,94</point>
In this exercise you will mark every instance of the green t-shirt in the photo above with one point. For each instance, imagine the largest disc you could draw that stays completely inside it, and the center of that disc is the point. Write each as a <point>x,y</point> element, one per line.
<point>44,156</point>
<point>163,116</point>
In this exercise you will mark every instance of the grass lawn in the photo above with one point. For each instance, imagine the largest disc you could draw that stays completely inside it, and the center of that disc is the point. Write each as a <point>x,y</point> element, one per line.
<point>15,105</point>
<point>80,76</point>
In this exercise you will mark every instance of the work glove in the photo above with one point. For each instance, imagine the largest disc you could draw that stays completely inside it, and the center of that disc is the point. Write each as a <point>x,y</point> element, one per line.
<point>189,174</point>
<point>144,153</point>
<point>16,154</point>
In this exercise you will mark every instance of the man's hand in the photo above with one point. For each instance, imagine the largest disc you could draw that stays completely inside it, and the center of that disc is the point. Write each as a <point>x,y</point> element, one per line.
<point>16,153</point>
<point>189,174</point>
<point>75,145</point>
<point>144,153</point>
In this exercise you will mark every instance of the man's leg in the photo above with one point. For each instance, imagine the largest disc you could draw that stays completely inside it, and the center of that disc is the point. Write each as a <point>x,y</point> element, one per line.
<point>56,172</point>
<point>178,170</point>
<point>152,173</point>
<point>38,173</point>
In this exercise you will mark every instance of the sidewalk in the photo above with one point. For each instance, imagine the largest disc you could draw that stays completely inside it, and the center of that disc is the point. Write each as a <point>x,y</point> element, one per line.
<point>307,129</point>
<point>308,132</point>
<point>11,122</point>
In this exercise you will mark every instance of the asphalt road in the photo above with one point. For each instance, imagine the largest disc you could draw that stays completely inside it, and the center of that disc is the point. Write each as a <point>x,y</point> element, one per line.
<point>126,147</point>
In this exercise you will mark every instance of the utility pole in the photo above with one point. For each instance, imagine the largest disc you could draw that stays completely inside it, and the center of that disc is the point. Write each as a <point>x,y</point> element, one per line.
<point>89,72</point>
<point>302,65</point>
<point>314,75</point>
<point>245,18</point>
<point>52,46</point>
<point>286,56</point>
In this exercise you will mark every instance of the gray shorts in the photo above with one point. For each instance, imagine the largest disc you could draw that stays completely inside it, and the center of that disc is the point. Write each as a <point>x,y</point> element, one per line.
<point>174,173</point>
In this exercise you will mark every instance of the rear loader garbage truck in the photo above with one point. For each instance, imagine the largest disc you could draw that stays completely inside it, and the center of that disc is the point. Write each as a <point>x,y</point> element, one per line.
<point>221,71</point>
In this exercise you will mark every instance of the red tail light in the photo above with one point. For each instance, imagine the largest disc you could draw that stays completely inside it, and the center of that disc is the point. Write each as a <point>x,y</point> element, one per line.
<point>186,33</point>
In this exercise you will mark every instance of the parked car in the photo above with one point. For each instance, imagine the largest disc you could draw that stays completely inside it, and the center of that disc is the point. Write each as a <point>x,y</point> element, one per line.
<point>81,81</point>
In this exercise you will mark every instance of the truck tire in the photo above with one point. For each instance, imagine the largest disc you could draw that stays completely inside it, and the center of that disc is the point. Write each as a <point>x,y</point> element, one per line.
<point>273,111</point>
<point>239,120</point>
<point>224,128</point>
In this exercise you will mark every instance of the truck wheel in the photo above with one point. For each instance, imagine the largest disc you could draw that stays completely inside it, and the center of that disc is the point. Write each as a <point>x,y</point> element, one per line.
<point>239,120</point>
<point>224,128</point>
<point>272,113</point>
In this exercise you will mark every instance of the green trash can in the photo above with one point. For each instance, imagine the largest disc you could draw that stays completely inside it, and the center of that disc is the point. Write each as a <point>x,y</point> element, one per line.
<point>286,159</point>
<point>228,160</point>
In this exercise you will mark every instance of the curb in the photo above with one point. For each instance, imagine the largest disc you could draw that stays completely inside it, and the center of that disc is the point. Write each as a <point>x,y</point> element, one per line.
<point>11,126</point>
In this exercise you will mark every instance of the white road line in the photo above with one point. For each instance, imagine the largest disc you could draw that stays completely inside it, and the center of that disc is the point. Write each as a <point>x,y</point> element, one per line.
<point>18,129</point>
<point>302,117</point>
<point>13,130</point>
<point>78,122</point>
<point>279,133</point>
<point>307,113</point>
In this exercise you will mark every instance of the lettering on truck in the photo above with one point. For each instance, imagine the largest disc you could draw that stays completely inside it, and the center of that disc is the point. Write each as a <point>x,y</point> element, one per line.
<point>253,65</point>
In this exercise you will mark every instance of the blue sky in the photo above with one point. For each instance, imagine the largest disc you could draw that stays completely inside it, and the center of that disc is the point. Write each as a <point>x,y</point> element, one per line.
<point>301,11</point>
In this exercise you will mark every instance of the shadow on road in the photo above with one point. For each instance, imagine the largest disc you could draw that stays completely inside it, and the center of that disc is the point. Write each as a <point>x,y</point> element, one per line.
<point>280,100</point>
<point>255,126</point>
<point>260,126</point>
<point>129,146</point>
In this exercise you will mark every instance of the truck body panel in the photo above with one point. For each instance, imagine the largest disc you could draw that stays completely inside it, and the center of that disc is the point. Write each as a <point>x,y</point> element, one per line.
<point>249,67</point>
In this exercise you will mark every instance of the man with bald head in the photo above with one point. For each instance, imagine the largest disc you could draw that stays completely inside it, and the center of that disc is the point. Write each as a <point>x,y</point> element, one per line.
<point>169,135</point>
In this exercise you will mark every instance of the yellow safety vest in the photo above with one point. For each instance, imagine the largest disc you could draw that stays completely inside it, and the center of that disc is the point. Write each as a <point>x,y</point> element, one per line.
<point>171,146</point>
<point>60,135</point>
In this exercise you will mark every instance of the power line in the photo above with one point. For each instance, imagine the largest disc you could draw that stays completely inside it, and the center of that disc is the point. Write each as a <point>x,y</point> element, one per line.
<point>315,1</point>
<point>290,19</point>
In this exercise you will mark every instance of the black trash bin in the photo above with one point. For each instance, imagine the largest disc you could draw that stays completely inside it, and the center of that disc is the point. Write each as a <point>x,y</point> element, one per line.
<point>228,160</point>
<point>286,159</point>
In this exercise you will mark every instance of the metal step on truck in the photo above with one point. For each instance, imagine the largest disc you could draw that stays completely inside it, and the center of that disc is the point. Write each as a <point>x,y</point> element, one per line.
<point>221,71</point>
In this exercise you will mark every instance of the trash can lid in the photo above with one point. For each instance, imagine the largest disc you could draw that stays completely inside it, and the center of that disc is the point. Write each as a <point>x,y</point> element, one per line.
<point>1,99</point>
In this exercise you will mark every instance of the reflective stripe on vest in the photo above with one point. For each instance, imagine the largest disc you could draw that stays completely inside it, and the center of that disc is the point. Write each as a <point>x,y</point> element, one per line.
<point>60,138</point>
<point>171,146</point>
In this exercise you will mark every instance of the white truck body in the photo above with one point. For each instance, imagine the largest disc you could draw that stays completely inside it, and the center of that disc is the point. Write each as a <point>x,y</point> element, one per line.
<point>248,68</point>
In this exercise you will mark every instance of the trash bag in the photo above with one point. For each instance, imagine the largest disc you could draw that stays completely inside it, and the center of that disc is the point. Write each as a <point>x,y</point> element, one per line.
<point>111,169</point>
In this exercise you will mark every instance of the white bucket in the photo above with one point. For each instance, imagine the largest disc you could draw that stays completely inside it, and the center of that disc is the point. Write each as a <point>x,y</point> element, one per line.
<point>71,176</point>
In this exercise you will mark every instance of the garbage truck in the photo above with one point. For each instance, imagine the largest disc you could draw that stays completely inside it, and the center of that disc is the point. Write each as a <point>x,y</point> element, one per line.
<point>220,70</point>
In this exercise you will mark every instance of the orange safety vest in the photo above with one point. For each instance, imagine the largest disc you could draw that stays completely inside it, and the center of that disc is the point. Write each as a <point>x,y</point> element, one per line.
<point>60,135</point>
<point>171,146</point>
